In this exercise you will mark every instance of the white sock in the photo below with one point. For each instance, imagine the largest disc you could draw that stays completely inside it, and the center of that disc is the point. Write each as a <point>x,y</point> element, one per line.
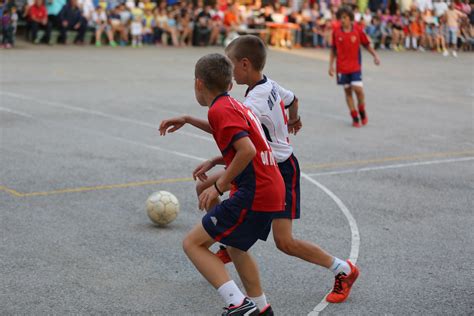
<point>339,266</point>
<point>231,293</point>
<point>260,301</point>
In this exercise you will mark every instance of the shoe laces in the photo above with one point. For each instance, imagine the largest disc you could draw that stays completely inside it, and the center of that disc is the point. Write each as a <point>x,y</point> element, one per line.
<point>338,283</point>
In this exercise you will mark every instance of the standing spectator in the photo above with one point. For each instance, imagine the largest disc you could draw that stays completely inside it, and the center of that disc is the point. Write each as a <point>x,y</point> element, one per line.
<point>452,21</point>
<point>53,7</point>
<point>37,18</point>
<point>7,28</point>
<point>14,17</point>
<point>71,19</point>
<point>101,24</point>
<point>136,29</point>
<point>202,28</point>
<point>397,32</point>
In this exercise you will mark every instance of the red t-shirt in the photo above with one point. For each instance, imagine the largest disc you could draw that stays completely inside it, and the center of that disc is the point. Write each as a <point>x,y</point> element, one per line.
<point>261,181</point>
<point>346,46</point>
<point>38,12</point>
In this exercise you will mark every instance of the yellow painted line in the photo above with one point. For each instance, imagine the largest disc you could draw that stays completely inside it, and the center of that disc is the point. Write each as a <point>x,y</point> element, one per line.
<point>177,180</point>
<point>11,191</point>
<point>95,188</point>
<point>386,159</point>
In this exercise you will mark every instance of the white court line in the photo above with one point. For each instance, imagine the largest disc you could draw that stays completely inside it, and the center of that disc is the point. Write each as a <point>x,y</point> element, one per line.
<point>355,236</point>
<point>98,113</point>
<point>88,131</point>
<point>396,166</point>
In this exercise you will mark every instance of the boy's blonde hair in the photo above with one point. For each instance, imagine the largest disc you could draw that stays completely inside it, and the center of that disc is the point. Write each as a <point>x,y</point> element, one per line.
<point>251,47</point>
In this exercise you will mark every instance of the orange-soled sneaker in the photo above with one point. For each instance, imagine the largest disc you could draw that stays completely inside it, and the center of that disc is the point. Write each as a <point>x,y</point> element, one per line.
<point>223,254</point>
<point>267,311</point>
<point>343,285</point>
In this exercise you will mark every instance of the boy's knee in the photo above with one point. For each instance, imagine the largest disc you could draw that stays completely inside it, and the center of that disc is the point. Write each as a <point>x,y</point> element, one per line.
<point>285,245</point>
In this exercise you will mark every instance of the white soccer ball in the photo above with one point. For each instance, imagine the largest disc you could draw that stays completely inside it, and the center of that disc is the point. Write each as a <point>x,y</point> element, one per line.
<point>162,208</point>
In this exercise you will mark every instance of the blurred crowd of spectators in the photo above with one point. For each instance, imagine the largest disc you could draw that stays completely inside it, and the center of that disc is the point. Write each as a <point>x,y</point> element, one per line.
<point>391,24</point>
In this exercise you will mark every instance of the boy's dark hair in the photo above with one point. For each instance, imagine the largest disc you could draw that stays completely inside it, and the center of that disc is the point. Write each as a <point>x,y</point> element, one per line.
<point>251,47</point>
<point>345,10</point>
<point>215,70</point>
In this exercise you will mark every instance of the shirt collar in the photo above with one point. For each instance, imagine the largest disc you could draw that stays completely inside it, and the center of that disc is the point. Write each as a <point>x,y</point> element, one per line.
<point>223,94</point>
<point>259,82</point>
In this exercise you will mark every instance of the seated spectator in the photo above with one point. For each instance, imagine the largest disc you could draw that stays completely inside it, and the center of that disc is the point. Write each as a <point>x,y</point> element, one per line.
<point>217,25</point>
<point>374,31</point>
<point>148,25</point>
<point>71,19</point>
<point>161,24</point>
<point>101,25</point>
<point>185,30</point>
<point>37,18</point>
<point>171,28</point>
<point>53,7</point>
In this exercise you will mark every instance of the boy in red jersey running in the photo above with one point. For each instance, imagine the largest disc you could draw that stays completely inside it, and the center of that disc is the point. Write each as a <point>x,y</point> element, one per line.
<point>251,174</point>
<point>346,41</point>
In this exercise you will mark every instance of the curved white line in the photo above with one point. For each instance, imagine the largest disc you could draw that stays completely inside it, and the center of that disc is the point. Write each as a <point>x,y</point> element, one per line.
<point>355,243</point>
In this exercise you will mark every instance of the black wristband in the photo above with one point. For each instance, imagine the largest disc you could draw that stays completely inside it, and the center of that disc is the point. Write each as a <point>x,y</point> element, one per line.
<point>217,189</point>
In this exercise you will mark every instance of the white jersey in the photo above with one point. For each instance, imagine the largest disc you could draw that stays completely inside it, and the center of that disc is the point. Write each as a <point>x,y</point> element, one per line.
<point>268,101</point>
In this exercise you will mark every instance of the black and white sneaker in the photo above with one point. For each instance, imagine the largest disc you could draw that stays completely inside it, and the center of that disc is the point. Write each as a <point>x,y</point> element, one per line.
<point>246,308</point>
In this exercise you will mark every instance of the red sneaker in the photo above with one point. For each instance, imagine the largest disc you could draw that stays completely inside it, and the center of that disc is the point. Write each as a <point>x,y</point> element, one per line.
<point>342,285</point>
<point>365,120</point>
<point>223,255</point>
<point>355,124</point>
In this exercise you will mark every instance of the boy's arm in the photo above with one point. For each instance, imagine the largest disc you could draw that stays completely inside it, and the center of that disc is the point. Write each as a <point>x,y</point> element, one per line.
<point>372,52</point>
<point>332,59</point>
<point>200,171</point>
<point>178,122</point>
<point>294,120</point>
<point>244,153</point>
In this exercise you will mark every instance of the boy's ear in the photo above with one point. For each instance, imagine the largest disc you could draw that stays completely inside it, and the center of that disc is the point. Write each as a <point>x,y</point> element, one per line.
<point>245,63</point>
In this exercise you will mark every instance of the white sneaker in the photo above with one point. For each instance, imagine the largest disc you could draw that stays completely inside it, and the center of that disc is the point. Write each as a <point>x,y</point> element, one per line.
<point>421,49</point>
<point>455,54</point>
<point>445,53</point>
<point>382,46</point>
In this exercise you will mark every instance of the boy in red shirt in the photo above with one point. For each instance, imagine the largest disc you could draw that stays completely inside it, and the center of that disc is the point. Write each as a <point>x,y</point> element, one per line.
<point>257,190</point>
<point>346,41</point>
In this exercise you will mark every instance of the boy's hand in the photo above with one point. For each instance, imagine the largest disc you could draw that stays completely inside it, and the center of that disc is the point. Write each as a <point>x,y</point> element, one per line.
<point>331,71</point>
<point>294,125</point>
<point>175,124</point>
<point>200,171</point>
<point>206,198</point>
<point>376,60</point>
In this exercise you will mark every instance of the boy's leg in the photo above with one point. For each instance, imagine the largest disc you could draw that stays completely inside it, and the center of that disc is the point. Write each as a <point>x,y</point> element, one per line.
<point>247,268</point>
<point>196,246</point>
<point>350,105</point>
<point>283,235</point>
<point>359,91</point>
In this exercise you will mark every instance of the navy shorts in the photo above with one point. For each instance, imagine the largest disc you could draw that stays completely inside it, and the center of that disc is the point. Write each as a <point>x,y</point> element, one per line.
<point>290,171</point>
<point>233,224</point>
<point>354,79</point>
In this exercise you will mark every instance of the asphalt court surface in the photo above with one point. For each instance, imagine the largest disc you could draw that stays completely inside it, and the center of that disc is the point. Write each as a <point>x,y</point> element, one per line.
<point>80,154</point>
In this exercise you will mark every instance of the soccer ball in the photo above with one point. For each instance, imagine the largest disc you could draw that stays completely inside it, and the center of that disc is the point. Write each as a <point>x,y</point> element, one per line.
<point>162,207</point>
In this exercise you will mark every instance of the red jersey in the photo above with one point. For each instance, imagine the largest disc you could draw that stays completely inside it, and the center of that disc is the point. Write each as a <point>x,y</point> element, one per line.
<point>38,12</point>
<point>346,46</point>
<point>260,182</point>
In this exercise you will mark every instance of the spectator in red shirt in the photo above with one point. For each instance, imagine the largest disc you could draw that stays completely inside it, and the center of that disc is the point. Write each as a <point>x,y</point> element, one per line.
<point>38,18</point>
<point>346,41</point>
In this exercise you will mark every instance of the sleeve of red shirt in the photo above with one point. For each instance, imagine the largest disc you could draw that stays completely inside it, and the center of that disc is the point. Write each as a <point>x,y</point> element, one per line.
<point>228,125</point>
<point>364,40</point>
